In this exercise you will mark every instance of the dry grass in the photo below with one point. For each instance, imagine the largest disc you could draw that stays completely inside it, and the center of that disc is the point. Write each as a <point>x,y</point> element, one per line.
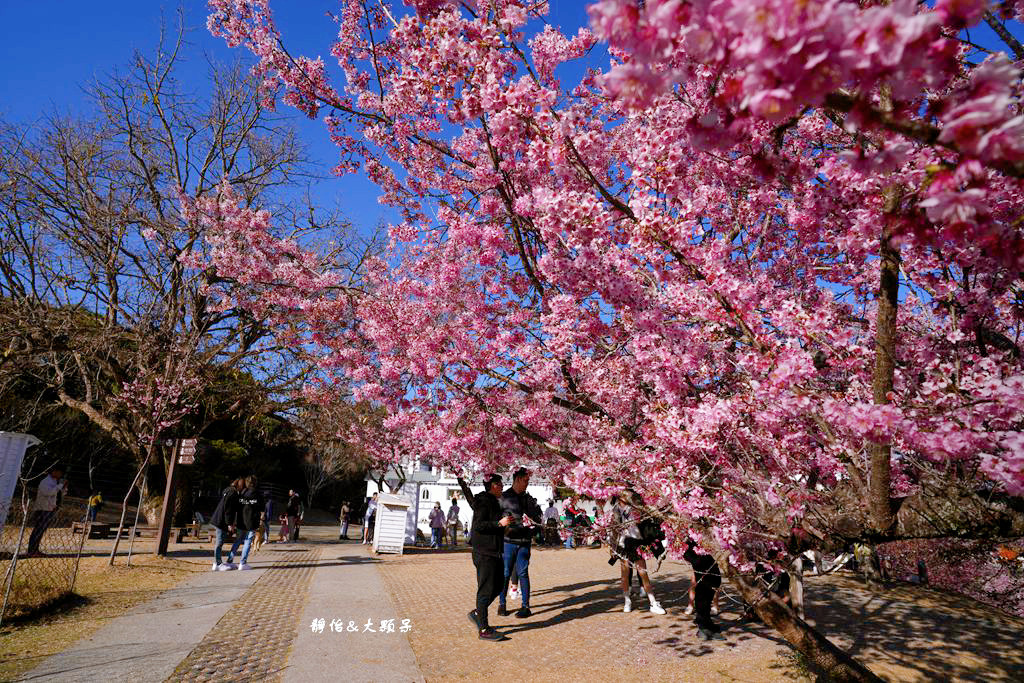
<point>101,592</point>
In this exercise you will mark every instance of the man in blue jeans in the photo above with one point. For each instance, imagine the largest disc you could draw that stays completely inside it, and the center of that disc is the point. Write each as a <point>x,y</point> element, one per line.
<point>526,514</point>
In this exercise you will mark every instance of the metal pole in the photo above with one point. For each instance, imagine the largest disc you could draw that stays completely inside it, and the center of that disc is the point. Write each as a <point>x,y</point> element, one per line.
<point>124,507</point>
<point>142,496</point>
<point>81,544</point>
<point>17,550</point>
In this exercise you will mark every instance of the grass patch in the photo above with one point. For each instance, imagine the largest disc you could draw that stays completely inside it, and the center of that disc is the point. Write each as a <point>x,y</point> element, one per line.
<point>101,592</point>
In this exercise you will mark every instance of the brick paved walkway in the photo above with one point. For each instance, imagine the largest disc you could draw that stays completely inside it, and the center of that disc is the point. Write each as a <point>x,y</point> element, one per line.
<point>252,641</point>
<point>256,626</point>
<point>578,630</point>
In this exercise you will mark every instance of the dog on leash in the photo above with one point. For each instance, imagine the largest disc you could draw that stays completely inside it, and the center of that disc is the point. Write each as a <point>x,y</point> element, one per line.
<point>258,540</point>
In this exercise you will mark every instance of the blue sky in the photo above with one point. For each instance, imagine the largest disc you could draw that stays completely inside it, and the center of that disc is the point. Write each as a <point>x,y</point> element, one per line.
<point>51,49</point>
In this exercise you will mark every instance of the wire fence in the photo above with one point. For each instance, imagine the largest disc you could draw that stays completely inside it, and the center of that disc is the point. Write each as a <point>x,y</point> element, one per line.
<point>39,555</point>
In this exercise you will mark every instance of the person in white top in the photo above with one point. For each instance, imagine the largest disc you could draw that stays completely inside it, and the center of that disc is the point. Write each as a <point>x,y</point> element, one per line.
<point>45,507</point>
<point>626,543</point>
<point>551,524</point>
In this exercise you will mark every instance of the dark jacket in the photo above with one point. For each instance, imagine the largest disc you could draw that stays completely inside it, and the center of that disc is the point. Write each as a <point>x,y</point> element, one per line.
<point>250,505</point>
<point>488,536</point>
<point>226,510</point>
<point>705,569</point>
<point>294,508</point>
<point>517,505</point>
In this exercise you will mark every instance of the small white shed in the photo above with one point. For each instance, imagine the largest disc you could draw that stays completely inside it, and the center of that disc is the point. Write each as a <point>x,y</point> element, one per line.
<point>12,452</point>
<point>389,530</point>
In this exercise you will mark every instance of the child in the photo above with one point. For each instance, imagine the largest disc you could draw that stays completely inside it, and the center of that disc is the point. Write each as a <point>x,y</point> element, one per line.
<point>283,537</point>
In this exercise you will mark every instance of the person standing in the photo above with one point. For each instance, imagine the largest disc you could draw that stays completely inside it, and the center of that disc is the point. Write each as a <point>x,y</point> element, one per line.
<point>268,514</point>
<point>571,512</point>
<point>626,542</point>
<point>489,527</point>
<point>453,523</point>
<point>369,520</point>
<point>44,509</point>
<point>248,518</point>
<point>223,521</point>
<point>708,578</point>
<point>551,524</point>
<point>437,522</point>
<point>95,503</point>
<point>525,513</point>
<point>344,516</point>
<point>692,597</point>
<point>294,514</point>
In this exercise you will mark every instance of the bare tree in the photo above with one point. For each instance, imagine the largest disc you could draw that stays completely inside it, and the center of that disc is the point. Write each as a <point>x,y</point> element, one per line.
<point>98,302</point>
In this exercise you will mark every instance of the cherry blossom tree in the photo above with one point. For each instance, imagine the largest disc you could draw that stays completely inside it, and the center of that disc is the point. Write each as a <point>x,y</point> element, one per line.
<point>764,268</point>
<point>96,306</point>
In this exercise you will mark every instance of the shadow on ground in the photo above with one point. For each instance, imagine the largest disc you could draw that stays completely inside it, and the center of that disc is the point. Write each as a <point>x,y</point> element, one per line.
<point>914,633</point>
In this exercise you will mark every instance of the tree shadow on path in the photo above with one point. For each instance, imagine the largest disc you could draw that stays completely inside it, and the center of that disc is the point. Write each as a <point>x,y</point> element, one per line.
<point>913,633</point>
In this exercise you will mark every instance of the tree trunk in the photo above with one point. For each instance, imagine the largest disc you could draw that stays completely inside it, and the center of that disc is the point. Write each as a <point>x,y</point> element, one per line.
<point>880,503</point>
<point>821,653</point>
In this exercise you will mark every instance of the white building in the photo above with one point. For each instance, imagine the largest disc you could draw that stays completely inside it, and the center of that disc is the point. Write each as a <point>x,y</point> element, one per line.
<point>426,485</point>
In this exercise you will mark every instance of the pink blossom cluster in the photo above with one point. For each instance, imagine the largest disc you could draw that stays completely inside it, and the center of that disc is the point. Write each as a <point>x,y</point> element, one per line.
<point>664,276</point>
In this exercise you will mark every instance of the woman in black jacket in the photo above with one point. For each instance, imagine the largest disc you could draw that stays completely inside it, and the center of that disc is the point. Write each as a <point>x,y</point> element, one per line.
<point>223,521</point>
<point>248,518</point>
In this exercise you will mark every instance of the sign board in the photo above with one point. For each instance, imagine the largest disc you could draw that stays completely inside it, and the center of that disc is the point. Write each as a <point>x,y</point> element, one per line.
<point>187,452</point>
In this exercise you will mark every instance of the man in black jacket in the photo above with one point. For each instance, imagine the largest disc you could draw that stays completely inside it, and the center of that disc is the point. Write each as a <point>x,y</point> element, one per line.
<point>526,514</point>
<point>248,518</point>
<point>223,521</point>
<point>489,526</point>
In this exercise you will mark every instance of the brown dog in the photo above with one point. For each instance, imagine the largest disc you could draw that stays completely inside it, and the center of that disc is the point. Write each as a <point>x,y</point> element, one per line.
<point>258,540</point>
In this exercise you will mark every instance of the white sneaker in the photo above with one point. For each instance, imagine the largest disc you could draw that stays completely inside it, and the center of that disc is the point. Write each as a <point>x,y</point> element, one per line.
<point>245,565</point>
<point>689,610</point>
<point>714,611</point>
<point>628,607</point>
<point>214,567</point>
<point>226,567</point>
<point>643,593</point>
<point>656,608</point>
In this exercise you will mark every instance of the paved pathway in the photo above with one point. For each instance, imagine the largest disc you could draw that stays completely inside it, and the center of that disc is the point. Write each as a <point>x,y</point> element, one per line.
<point>578,631</point>
<point>251,641</point>
<point>263,625</point>
<point>251,626</point>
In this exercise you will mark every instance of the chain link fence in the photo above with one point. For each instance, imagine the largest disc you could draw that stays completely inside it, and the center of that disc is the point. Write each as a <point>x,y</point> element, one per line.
<point>34,578</point>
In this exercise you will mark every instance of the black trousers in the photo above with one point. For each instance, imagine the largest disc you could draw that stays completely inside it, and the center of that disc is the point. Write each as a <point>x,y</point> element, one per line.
<point>490,578</point>
<point>703,592</point>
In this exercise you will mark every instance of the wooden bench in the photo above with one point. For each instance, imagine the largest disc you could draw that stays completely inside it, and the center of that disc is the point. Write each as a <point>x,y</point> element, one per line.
<point>190,532</point>
<point>91,529</point>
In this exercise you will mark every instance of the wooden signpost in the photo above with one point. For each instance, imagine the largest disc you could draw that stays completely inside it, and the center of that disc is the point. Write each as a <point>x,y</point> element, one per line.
<point>184,454</point>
